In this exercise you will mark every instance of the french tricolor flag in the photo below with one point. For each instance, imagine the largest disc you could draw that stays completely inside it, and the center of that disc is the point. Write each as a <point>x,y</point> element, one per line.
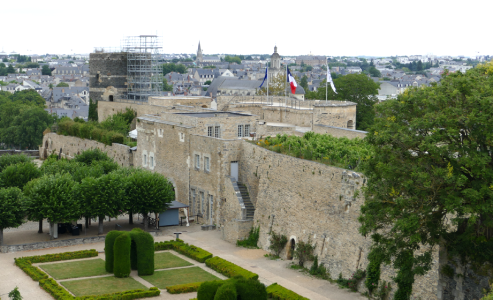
<point>292,81</point>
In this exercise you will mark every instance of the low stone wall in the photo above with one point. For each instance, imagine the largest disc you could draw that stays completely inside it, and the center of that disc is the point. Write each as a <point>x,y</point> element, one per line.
<point>339,132</point>
<point>60,243</point>
<point>71,146</point>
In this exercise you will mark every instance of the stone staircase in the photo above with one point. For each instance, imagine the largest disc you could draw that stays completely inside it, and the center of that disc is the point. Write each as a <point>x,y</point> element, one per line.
<point>246,200</point>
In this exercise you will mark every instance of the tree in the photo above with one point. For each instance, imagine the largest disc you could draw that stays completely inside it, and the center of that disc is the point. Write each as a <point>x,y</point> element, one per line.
<point>430,179</point>
<point>374,72</point>
<point>8,160</point>
<point>232,59</point>
<point>31,65</point>
<point>148,192</point>
<point>10,69</point>
<point>277,85</point>
<point>45,70</point>
<point>304,82</point>
<point>52,197</point>
<point>62,84</point>
<point>19,175</point>
<point>167,87</point>
<point>93,110</point>
<point>419,66</point>
<point>29,125</point>
<point>103,196</point>
<point>208,82</point>
<point>357,88</point>
<point>11,209</point>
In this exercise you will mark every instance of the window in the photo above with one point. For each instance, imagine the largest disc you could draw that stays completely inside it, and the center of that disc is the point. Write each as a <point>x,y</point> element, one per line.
<point>145,159</point>
<point>202,210</point>
<point>197,161</point>
<point>216,132</point>
<point>211,204</point>
<point>247,130</point>
<point>152,162</point>
<point>209,131</point>
<point>193,202</point>
<point>240,130</point>
<point>206,164</point>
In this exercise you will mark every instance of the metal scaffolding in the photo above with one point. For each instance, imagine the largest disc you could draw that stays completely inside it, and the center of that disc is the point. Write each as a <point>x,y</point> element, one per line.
<point>144,75</point>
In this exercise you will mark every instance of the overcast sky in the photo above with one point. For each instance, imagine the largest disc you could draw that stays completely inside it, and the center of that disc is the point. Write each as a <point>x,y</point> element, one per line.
<point>352,28</point>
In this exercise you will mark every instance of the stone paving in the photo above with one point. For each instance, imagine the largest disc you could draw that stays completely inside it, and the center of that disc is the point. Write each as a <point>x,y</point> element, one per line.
<point>269,271</point>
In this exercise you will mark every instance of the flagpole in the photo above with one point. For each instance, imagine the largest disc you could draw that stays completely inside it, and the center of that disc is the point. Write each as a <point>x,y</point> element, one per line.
<point>285,97</point>
<point>327,79</point>
<point>267,68</point>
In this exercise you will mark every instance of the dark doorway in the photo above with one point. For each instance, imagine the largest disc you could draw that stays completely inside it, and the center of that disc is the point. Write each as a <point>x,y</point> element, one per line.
<point>292,245</point>
<point>111,98</point>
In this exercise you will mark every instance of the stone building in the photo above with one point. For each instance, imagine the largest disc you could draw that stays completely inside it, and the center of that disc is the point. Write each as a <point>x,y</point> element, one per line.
<point>107,75</point>
<point>311,60</point>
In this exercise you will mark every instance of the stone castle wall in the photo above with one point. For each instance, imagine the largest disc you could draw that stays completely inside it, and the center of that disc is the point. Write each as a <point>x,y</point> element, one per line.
<point>339,132</point>
<point>71,146</point>
<point>107,70</point>
<point>307,200</point>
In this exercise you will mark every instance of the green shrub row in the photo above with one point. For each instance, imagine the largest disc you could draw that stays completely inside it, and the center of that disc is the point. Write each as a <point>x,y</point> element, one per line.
<point>276,291</point>
<point>232,289</point>
<point>90,131</point>
<point>183,288</point>
<point>229,269</point>
<point>60,293</point>
<point>191,251</point>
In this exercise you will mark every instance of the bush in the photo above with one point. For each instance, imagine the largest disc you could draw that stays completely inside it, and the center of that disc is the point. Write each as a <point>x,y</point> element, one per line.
<point>35,273</point>
<point>229,269</point>
<point>279,292</point>
<point>183,288</point>
<point>8,160</point>
<point>250,289</point>
<point>351,283</point>
<point>191,251</point>
<point>277,242</point>
<point>303,252</point>
<point>89,156</point>
<point>252,240</point>
<point>145,251</point>
<point>208,289</point>
<point>227,291</point>
<point>122,256</point>
<point>54,289</point>
<point>109,243</point>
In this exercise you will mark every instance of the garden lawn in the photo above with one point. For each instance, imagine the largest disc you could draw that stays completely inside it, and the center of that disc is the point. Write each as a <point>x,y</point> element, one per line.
<point>75,269</point>
<point>162,279</point>
<point>165,260</point>
<point>101,285</point>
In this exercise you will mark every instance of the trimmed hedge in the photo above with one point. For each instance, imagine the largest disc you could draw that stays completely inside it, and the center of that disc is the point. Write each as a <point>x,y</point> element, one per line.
<point>144,243</point>
<point>60,293</point>
<point>122,256</point>
<point>208,289</point>
<point>183,288</point>
<point>89,131</point>
<point>109,243</point>
<point>278,292</point>
<point>227,291</point>
<point>179,246</point>
<point>229,269</point>
<point>250,289</point>
<point>25,263</point>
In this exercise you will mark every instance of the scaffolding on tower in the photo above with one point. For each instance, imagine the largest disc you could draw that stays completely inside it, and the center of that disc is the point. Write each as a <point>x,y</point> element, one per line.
<point>144,75</point>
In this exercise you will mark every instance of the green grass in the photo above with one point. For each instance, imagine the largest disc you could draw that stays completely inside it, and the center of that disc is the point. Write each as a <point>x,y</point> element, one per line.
<point>101,285</point>
<point>162,279</point>
<point>75,269</point>
<point>166,260</point>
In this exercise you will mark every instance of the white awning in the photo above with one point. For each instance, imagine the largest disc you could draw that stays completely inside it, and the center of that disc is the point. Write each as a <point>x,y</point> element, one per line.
<point>133,134</point>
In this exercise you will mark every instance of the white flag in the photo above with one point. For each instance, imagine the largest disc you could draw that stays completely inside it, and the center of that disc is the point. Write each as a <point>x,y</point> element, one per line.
<point>329,79</point>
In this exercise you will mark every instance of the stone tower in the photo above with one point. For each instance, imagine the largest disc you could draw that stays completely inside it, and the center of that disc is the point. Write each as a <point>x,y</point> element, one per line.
<point>200,59</point>
<point>275,60</point>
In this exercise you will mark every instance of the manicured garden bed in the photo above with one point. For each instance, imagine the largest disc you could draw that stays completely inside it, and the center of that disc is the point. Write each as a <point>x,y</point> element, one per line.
<point>162,279</point>
<point>101,285</point>
<point>75,269</point>
<point>166,260</point>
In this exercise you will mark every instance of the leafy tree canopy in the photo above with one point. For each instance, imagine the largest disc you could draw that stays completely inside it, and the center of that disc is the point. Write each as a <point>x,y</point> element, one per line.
<point>19,175</point>
<point>45,70</point>
<point>11,209</point>
<point>62,84</point>
<point>232,59</point>
<point>172,67</point>
<point>430,179</point>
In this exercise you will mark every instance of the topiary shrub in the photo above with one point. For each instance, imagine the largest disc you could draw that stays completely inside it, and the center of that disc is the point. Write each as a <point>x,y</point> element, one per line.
<point>122,255</point>
<point>228,269</point>
<point>227,291</point>
<point>208,289</point>
<point>109,243</point>
<point>250,289</point>
<point>145,251</point>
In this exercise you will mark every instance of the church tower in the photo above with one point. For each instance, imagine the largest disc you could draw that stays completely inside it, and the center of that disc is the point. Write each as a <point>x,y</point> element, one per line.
<point>275,60</point>
<point>200,59</point>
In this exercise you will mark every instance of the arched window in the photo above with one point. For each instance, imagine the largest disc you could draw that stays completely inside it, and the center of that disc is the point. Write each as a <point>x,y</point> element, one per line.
<point>350,124</point>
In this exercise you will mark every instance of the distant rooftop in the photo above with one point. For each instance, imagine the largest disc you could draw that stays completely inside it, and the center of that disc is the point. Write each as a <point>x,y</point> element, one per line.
<point>214,114</point>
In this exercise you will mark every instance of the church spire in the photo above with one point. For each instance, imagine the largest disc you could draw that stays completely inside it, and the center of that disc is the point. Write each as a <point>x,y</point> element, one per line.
<point>199,48</point>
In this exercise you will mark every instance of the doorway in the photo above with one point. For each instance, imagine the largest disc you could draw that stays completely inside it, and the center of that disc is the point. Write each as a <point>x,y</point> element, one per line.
<point>292,245</point>
<point>234,170</point>
<point>111,98</point>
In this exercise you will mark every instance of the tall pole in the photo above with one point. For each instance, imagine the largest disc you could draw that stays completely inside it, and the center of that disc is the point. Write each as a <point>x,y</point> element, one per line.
<point>268,78</point>
<point>327,78</point>
<point>285,96</point>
